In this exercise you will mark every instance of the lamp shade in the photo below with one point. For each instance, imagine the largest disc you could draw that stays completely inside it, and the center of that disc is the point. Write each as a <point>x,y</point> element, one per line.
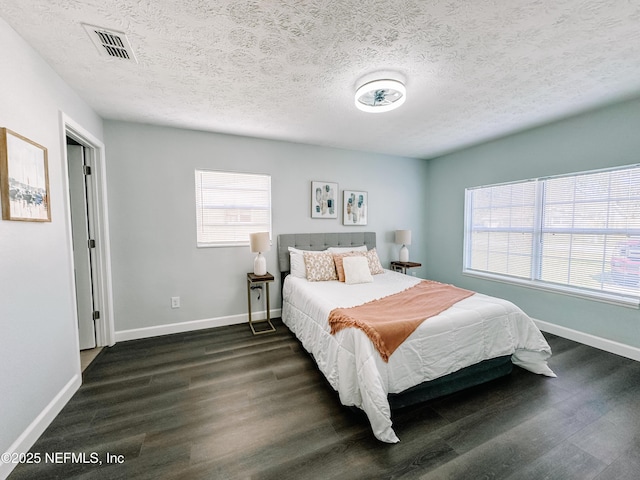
<point>260,242</point>
<point>403,237</point>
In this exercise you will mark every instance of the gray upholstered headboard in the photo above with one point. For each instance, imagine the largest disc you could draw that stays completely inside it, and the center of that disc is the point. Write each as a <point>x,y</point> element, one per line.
<point>320,241</point>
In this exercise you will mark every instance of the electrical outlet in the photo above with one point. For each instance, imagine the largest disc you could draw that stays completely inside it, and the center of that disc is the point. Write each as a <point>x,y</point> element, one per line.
<point>175,302</point>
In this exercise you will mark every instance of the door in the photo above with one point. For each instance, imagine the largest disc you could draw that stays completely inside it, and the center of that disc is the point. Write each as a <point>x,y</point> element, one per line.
<point>82,248</point>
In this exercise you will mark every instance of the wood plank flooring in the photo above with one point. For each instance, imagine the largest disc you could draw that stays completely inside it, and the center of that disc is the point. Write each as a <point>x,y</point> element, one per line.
<point>223,404</point>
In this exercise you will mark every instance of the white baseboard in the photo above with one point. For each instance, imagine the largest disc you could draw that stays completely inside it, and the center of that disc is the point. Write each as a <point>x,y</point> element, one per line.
<point>607,345</point>
<point>40,424</point>
<point>157,330</point>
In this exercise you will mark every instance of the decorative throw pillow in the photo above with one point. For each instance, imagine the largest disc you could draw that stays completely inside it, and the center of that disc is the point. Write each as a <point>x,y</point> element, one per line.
<point>356,270</point>
<point>320,266</point>
<point>375,267</point>
<point>338,259</point>
<point>296,261</point>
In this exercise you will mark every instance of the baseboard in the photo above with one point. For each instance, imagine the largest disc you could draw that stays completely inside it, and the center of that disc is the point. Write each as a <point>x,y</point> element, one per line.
<point>40,424</point>
<point>181,327</point>
<point>607,345</point>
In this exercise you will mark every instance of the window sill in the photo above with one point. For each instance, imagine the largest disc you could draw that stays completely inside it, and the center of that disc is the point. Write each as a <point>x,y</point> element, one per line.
<point>613,299</point>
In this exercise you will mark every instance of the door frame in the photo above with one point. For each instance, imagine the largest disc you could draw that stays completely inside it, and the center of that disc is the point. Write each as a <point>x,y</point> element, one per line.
<point>97,188</point>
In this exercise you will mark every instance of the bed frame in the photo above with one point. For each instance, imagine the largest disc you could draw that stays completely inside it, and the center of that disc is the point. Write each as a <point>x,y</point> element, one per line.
<point>470,376</point>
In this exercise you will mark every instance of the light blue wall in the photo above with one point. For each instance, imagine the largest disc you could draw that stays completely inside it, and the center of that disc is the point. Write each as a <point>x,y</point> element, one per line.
<point>150,173</point>
<point>607,137</point>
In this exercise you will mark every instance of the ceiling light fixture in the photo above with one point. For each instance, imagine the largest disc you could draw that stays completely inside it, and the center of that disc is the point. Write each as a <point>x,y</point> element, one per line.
<point>380,96</point>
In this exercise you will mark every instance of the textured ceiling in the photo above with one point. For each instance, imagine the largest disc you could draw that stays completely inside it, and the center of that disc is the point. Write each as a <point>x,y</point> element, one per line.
<point>288,69</point>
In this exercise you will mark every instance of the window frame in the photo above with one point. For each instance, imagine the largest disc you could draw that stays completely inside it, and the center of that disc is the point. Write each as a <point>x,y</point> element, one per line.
<point>535,280</point>
<point>199,209</point>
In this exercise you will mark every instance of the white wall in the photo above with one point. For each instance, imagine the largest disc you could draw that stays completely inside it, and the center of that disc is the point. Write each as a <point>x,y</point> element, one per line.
<point>39,358</point>
<point>150,173</point>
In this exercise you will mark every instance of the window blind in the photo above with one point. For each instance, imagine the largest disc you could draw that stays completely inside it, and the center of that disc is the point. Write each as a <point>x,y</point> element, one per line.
<point>578,232</point>
<point>502,228</point>
<point>230,206</point>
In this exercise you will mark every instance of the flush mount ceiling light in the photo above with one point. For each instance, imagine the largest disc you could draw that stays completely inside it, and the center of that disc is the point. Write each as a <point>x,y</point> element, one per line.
<point>380,96</point>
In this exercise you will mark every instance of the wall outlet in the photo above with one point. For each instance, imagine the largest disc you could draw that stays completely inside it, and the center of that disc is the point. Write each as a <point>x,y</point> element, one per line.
<point>175,302</point>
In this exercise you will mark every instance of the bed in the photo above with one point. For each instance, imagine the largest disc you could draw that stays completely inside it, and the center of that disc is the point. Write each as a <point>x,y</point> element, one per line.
<point>475,340</point>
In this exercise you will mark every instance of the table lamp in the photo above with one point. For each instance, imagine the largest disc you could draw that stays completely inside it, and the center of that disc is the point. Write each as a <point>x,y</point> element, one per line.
<point>403,237</point>
<point>260,242</point>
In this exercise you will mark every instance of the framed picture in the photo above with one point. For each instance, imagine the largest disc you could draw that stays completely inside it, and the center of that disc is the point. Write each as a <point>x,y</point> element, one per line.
<point>355,208</point>
<point>24,179</point>
<point>324,200</point>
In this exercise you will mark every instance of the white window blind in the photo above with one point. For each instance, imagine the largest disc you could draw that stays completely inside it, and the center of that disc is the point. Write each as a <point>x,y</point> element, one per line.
<point>502,235</point>
<point>576,233</point>
<point>230,206</point>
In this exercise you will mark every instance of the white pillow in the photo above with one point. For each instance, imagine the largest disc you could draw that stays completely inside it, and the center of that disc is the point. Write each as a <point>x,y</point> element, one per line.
<point>297,268</point>
<point>296,262</point>
<point>356,270</point>
<point>362,248</point>
<point>300,252</point>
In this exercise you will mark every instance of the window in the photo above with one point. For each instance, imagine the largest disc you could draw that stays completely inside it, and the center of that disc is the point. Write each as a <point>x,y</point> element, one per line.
<point>230,206</point>
<point>577,233</point>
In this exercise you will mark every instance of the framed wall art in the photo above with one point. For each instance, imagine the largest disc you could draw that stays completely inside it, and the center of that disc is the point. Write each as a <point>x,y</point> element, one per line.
<point>24,179</point>
<point>324,200</point>
<point>355,208</point>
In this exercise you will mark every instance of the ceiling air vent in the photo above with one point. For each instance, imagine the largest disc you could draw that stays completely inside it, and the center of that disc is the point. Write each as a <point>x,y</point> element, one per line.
<point>110,42</point>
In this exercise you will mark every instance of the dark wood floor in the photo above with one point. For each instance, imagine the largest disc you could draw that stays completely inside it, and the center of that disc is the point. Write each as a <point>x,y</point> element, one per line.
<point>223,404</point>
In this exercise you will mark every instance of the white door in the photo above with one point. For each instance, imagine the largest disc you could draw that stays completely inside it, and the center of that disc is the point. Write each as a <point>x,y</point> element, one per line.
<point>82,252</point>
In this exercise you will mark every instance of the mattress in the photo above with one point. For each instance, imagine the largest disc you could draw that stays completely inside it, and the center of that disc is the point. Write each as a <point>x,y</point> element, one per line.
<point>475,329</point>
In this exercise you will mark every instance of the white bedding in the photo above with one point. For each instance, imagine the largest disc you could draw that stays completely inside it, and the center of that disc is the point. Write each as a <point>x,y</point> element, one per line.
<point>475,329</point>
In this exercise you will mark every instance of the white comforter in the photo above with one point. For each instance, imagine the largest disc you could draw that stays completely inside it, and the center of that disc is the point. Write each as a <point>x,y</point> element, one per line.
<point>475,329</point>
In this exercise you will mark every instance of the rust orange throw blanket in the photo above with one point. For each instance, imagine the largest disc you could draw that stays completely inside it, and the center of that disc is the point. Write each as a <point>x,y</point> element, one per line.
<point>390,320</point>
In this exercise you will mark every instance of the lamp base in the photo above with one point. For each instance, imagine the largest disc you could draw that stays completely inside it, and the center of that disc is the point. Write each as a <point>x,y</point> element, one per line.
<point>260,265</point>
<point>404,254</point>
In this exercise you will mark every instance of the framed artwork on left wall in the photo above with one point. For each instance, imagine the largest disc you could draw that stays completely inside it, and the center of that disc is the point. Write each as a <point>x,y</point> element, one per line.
<point>24,179</point>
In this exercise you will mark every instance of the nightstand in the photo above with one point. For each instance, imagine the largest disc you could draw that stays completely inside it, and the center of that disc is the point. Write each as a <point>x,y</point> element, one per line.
<point>402,267</point>
<point>257,281</point>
